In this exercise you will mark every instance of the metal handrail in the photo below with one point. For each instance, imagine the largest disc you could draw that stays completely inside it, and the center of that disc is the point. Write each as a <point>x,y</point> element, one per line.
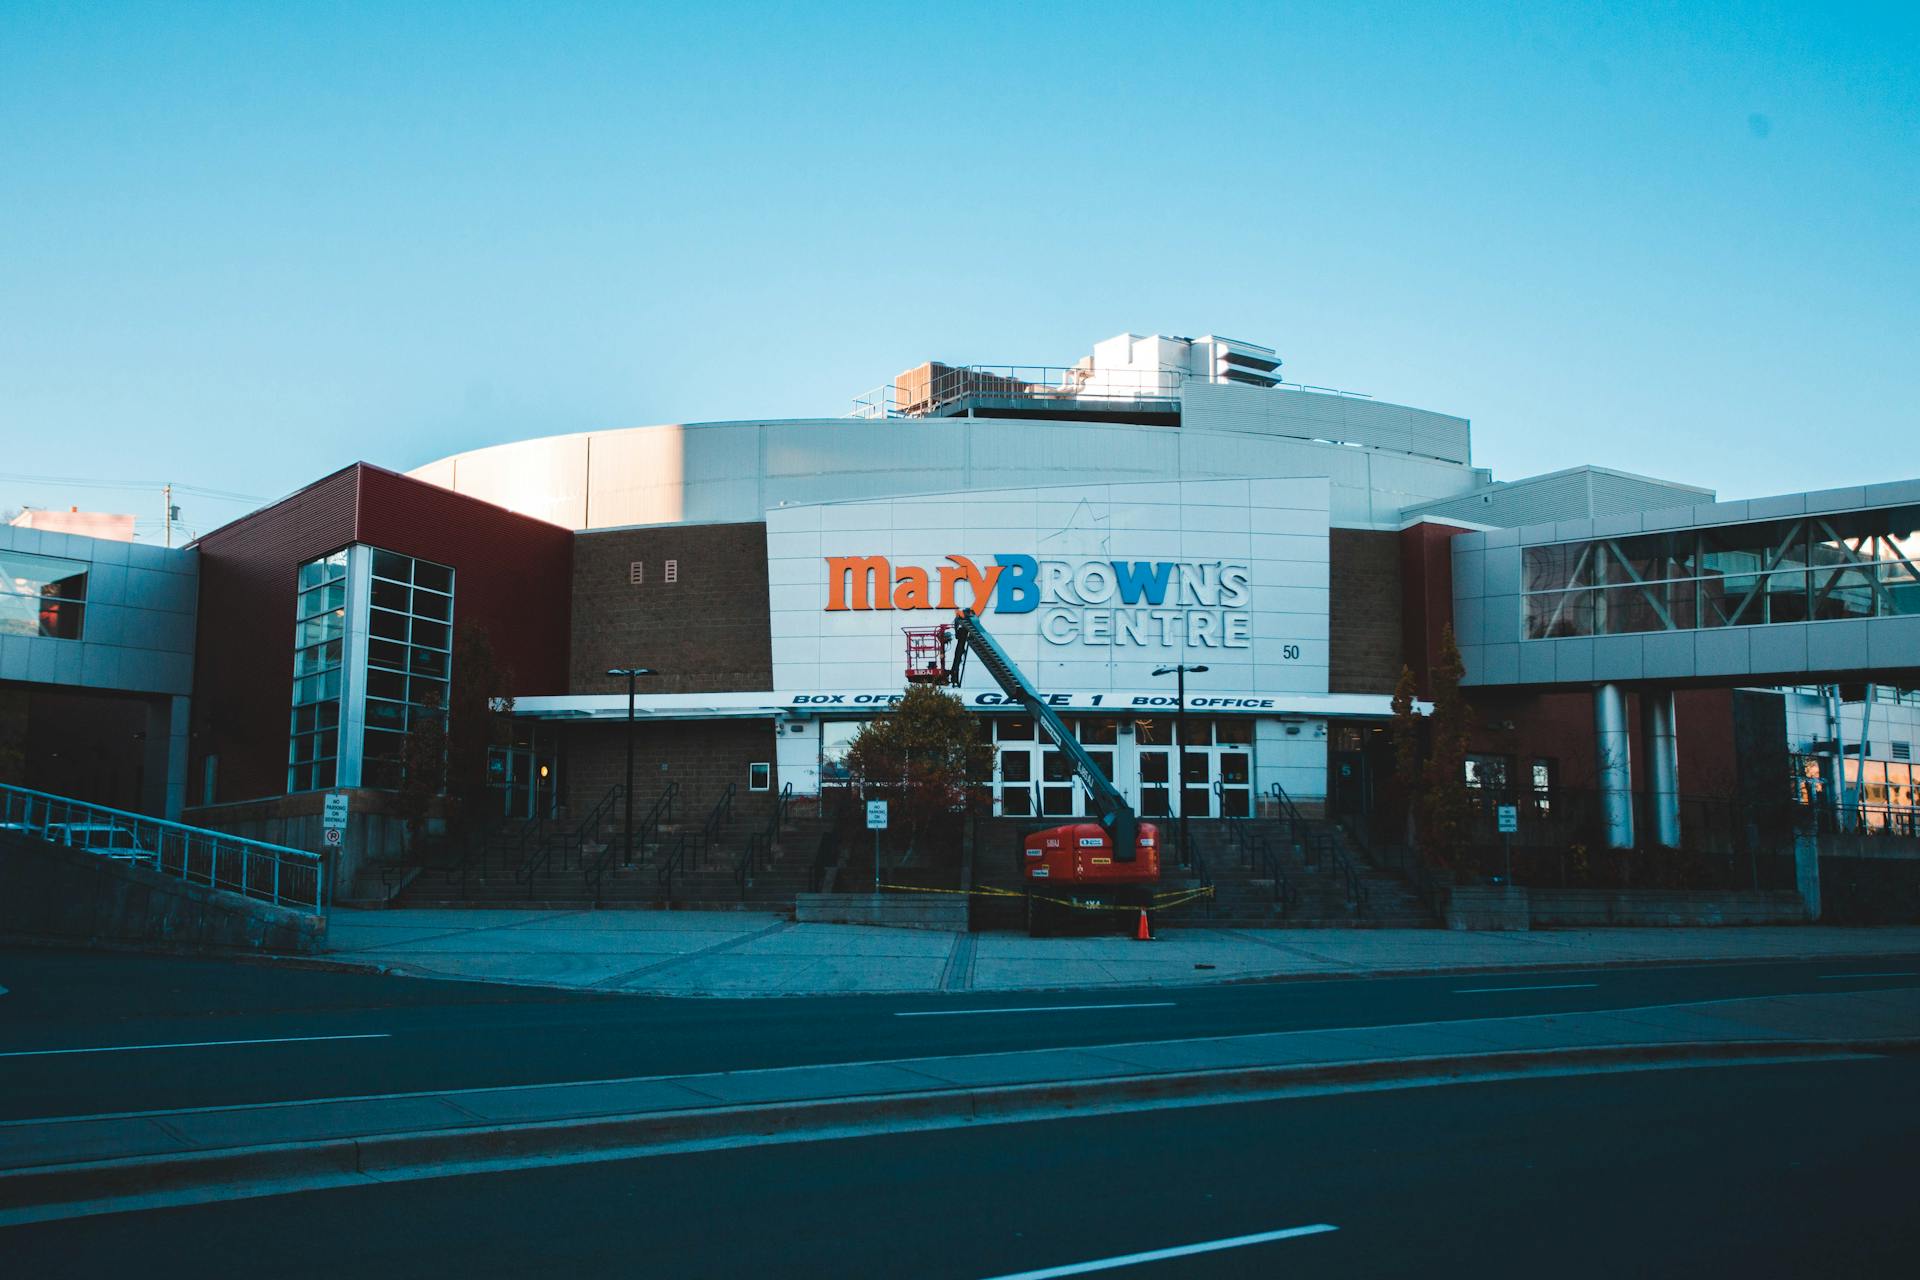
<point>716,818</point>
<point>761,842</point>
<point>542,857</point>
<point>1316,844</point>
<point>197,855</point>
<point>673,856</point>
<point>661,810</point>
<point>1257,854</point>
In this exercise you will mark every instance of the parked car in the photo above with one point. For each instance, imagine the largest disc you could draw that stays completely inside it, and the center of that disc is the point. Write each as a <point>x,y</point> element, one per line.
<point>107,838</point>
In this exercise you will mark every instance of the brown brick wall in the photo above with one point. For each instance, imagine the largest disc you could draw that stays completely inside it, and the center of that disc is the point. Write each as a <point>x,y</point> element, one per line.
<point>1363,615</point>
<point>702,756</point>
<point>708,632</point>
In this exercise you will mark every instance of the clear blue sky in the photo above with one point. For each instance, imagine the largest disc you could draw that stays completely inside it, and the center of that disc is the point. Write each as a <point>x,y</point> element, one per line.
<point>241,245</point>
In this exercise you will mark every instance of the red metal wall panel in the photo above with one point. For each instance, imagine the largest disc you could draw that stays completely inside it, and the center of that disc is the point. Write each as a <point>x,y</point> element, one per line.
<point>512,576</point>
<point>243,661</point>
<point>1426,578</point>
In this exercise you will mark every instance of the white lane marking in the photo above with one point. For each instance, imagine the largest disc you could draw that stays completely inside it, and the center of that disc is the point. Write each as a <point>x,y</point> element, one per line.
<point>1160,1255</point>
<point>1558,986</point>
<point>1036,1008</point>
<point>190,1044</point>
<point>1827,977</point>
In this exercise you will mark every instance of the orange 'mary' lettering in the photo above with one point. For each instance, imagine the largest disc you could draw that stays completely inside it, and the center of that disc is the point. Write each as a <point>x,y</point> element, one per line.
<point>871,578</point>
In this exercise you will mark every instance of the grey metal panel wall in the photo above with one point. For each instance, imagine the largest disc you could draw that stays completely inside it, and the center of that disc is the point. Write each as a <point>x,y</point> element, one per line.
<point>138,632</point>
<point>735,471</point>
<point>1311,415</point>
<point>1614,494</point>
<point>1578,494</point>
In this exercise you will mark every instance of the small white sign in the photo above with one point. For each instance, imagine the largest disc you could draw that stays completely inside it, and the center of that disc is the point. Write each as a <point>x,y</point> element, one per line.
<point>876,815</point>
<point>331,837</point>
<point>1509,816</point>
<point>333,811</point>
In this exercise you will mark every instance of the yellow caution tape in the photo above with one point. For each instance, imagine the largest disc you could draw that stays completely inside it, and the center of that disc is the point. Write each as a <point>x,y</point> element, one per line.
<point>1161,901</point>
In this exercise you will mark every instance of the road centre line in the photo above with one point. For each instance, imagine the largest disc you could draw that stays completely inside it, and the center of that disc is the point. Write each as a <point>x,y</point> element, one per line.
<point>1161,1255</point>
<point>1557,986</point>
<point>1036,1008</point>
<point>190,1044</point>
<point>855,1062</point>
<point>1840,977</point>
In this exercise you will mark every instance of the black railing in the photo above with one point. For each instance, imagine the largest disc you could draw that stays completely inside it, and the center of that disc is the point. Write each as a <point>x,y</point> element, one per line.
<point>717,818</point>
<point>565,842</point>
<point>645,833</point>
<point>759,850</point>
<point>1318,843</point>
<point>673,860</point>
<point>1258,855</point>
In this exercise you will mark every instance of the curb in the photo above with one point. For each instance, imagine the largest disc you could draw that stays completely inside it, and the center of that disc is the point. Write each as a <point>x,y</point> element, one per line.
<point>101,1186</point>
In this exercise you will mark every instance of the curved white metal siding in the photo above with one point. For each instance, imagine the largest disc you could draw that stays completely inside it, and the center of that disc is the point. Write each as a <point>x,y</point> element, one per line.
<point>714,472</point>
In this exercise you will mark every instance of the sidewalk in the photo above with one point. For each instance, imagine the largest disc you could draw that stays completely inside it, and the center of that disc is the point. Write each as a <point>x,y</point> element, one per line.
<point>725,953</point>
<point>79,1165</point>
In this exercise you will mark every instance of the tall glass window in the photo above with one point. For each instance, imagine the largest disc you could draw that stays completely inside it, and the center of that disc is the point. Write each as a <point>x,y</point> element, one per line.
<point>42,595</point>
<point>409,658</point>
<point>319,638</point>
<point>1857,564</point>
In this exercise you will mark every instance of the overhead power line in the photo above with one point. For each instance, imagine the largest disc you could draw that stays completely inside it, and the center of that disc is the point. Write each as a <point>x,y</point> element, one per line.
<point>88,482</point>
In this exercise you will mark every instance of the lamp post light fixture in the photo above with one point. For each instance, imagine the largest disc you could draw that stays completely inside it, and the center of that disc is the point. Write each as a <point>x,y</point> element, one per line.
<point>631,674</point>
<point>1179,672</point>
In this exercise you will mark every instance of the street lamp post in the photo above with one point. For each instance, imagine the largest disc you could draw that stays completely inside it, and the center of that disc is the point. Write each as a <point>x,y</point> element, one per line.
<point>1179,672</point>
<point>632,674</point>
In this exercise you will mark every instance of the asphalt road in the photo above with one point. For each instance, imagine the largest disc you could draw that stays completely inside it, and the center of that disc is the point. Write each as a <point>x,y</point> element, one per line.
<point>1806,1169</point>
<point>95,1032</point>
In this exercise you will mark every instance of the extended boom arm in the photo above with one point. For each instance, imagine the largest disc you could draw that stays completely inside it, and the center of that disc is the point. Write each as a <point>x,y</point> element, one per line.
<point>1111,807</point>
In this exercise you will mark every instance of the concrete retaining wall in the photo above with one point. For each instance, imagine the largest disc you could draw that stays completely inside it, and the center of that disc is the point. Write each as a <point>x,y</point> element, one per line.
<point>1495,907</point>
<point>900,910</point>
<point>1487,907</point>
<point>50,891</point>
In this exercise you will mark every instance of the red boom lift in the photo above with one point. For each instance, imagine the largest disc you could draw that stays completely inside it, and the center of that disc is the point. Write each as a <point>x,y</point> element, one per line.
<point>1111,861</point>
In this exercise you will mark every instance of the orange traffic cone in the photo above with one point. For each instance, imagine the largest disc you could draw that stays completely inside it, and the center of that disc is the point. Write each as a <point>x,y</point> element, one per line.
<point>1143,933</point>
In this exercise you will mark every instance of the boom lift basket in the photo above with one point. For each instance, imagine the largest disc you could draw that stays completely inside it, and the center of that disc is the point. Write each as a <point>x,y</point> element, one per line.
<point>927,654</point>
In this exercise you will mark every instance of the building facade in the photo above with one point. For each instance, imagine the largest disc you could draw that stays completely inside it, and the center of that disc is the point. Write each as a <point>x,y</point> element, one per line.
<point>1164,501</point>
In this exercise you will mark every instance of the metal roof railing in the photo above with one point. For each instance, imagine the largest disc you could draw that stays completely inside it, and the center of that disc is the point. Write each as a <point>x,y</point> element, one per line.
<point>195,855</point>
<point>948,385</point>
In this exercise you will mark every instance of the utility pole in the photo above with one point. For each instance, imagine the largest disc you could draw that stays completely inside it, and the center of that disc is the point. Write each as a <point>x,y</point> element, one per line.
<point>166,496</point>
<point>631,674</point>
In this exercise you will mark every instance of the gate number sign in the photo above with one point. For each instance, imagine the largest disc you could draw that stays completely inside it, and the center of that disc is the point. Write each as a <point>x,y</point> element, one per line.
<point>876,815</point>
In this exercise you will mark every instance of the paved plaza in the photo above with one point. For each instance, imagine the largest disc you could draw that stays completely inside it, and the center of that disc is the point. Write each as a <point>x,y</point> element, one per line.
<point>728,953</point>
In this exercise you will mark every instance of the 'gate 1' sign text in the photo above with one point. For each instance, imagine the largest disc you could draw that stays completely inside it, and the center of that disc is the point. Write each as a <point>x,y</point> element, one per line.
<point>1146,603</point>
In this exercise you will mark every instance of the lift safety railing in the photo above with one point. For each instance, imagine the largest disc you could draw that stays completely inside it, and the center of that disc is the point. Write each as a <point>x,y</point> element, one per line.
<point>759,850</point>
<point>1317,845</point>
<point>269,872</point>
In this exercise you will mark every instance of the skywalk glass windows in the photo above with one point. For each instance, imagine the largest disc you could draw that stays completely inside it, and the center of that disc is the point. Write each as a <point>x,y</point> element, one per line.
<point>409,658</point>
<point>319,637</point>
<point>1858,564</point>
<point>42,596</point>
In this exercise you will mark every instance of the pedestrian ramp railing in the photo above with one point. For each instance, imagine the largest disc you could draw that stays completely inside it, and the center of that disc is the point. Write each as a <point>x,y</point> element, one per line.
<point>196,855</point>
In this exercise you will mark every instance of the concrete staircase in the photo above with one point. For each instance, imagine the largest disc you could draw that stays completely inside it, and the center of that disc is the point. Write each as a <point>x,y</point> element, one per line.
<point>497,873</point>
<point>1316,889</point>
